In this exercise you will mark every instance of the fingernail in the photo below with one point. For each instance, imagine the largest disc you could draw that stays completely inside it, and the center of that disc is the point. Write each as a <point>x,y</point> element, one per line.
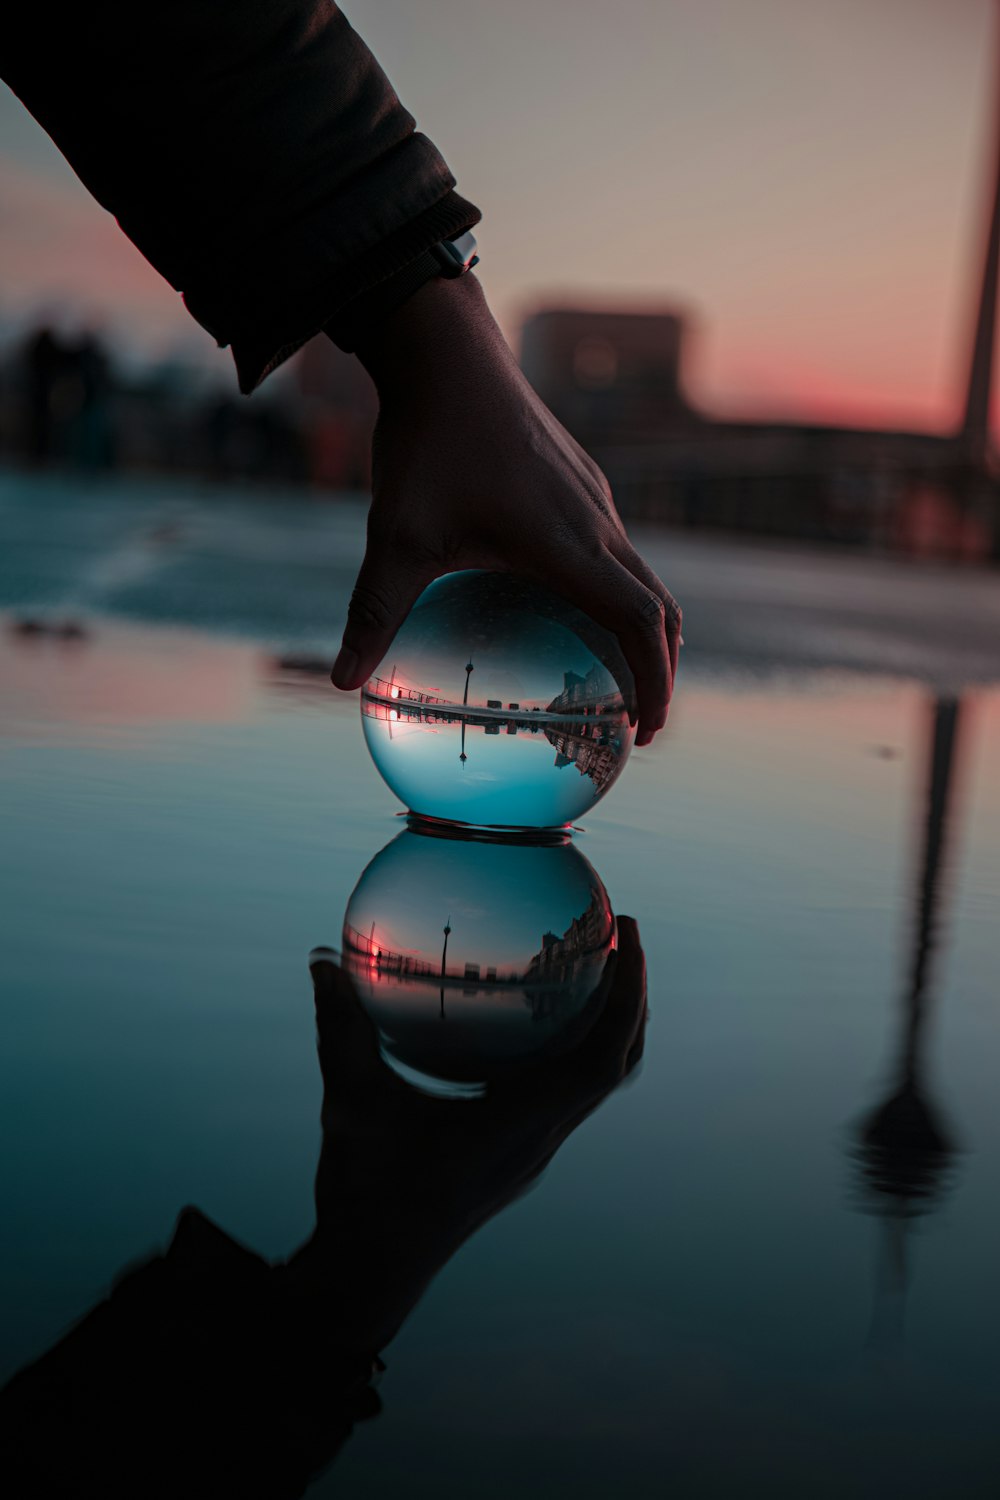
<point>344,668</point>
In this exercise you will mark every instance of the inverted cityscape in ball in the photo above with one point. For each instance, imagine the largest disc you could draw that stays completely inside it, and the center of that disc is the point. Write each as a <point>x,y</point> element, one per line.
<point>475,959</point>
<point>499,705</point>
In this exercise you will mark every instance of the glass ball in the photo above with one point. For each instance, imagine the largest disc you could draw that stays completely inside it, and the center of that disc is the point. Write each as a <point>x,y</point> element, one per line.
<point>499,705</point>
<point>474,958</point>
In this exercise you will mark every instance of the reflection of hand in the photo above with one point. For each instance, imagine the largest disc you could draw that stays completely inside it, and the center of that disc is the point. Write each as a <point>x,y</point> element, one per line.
<point>404,1178</point>
<point>471,470</point>
<point>208,1372</point>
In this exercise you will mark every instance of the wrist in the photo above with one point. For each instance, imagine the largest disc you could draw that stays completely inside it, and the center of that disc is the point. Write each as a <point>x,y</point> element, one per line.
<point>445,322</point>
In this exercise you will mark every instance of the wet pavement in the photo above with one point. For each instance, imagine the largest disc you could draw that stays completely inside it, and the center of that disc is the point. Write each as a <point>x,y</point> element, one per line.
<point>764,1263</point>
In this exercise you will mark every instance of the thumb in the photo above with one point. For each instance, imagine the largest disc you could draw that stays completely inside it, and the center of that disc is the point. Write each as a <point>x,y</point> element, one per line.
<point>348,1047</point>
<point>389,583</point>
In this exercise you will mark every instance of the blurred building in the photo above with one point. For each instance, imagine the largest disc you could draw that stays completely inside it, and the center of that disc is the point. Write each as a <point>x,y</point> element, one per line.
<point>616,381</point>
<point>610,374</point>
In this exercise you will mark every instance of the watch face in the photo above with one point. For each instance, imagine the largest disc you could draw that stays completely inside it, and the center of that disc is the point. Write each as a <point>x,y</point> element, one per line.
<point>465,248</point>
<point>456,256</point>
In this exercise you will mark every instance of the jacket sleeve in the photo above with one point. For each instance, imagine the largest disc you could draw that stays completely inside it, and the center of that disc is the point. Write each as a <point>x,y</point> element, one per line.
<point>253,150</point>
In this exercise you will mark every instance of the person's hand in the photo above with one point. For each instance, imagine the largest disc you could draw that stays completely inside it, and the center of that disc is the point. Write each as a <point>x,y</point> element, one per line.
<point>471,470</point>
<point>405,1178</point>
<point>539,1103</point>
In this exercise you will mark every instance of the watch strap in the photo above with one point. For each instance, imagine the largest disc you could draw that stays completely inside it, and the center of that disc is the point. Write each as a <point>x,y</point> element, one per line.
<point>450,258</point>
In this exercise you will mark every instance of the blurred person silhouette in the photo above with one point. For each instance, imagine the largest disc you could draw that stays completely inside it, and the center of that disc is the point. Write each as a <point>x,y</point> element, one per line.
<point>92,441</point>
<point>66,382</point>
<point>42,361</point>
<point>260,159</point>
<point>209,1371</point>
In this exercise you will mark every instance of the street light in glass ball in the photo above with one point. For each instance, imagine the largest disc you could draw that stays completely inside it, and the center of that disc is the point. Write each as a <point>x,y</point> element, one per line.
<point>499,706</point>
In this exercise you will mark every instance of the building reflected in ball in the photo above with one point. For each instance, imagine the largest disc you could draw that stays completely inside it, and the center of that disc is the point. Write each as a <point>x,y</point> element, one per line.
<point>474,959</point>
<point>499,705</point>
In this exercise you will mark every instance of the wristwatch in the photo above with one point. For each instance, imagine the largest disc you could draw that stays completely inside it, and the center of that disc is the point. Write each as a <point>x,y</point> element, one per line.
<point>449,258</point>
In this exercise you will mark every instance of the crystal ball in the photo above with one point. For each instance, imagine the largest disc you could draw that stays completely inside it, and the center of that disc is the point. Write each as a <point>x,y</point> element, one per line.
<point>499,705</point>
<point>474,958</point>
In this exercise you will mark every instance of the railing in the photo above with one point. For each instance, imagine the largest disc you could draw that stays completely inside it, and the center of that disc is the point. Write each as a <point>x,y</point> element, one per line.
<point>384,958</point>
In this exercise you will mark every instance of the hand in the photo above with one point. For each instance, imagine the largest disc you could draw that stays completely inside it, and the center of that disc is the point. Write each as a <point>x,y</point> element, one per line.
<point>471,470</point>
<point>404,1178</point>
<point>246,1378</point>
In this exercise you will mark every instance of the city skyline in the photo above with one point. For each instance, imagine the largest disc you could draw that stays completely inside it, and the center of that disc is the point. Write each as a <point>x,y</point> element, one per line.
<point>584,723</point>
<point>591,692</point>
<point>371,954</point>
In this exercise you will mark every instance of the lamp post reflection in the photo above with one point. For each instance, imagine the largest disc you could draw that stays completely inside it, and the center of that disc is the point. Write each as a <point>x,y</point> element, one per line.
<point>469,669</point>
<point>904,1150</point>
<point>444,961</point>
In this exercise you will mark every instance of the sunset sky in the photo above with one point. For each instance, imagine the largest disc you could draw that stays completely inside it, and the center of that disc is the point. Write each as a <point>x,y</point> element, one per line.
<point>807,177</point>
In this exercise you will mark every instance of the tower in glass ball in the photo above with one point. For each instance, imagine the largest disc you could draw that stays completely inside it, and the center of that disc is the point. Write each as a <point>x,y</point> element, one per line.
<point>474,959</point>
<point>499,706</point>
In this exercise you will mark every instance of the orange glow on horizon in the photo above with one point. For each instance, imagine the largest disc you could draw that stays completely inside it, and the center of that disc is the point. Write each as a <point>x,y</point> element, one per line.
<point>820,176</point>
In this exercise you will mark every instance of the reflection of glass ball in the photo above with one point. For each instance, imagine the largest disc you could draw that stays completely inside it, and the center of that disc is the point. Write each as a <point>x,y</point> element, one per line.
<point>472,958</point>
<point>499,705</point>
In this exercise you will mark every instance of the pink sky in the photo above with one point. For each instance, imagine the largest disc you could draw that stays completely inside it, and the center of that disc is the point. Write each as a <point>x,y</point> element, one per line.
<point>806,176</point>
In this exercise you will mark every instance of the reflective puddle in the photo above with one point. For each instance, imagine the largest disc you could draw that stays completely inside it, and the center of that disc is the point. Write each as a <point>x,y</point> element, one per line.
<point>759,1251</point>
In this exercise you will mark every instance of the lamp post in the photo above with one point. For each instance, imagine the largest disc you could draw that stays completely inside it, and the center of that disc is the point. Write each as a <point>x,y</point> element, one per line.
<point>469,669</point>
<point>444,960</point>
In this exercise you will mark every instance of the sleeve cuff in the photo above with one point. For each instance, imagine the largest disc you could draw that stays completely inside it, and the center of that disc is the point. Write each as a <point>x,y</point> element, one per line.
<point>268,310</point>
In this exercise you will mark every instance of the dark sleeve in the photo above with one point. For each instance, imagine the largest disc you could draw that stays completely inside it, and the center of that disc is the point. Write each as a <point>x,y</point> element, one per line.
<point>253,150</point>
<point>187,1381</point>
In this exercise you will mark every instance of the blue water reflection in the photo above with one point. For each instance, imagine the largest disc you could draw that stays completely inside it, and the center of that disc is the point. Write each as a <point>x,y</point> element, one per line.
<point>499,705</point>
<point>473,957</point>
<point>212,1370</point>
<point>692,1298</point>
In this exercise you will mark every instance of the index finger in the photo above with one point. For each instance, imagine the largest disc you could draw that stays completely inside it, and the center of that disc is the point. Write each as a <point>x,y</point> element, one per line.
<point>636,614</point>
<point>672,612</point>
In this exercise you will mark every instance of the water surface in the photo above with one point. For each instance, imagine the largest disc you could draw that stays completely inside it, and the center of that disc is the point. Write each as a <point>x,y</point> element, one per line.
<point>732,1277</point>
